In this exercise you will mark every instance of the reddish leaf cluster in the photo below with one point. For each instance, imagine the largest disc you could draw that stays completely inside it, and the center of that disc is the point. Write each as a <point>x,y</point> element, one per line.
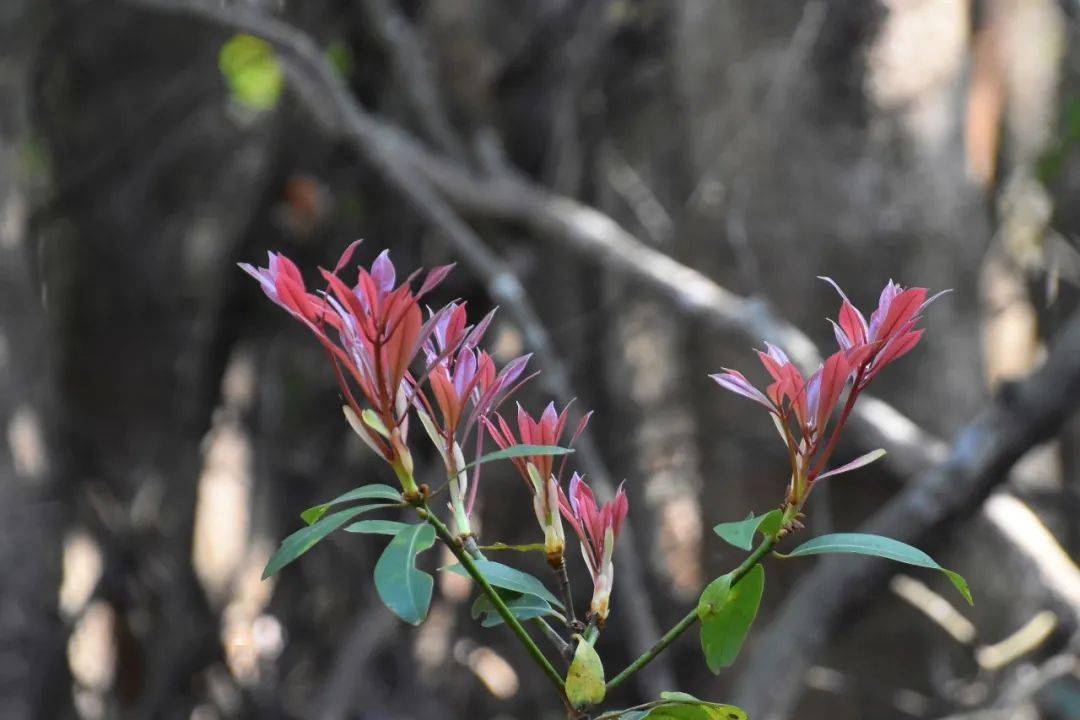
<point>803,408</point>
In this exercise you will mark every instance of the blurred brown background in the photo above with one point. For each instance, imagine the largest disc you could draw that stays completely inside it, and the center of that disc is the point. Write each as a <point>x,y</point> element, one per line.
<point>164,425</point>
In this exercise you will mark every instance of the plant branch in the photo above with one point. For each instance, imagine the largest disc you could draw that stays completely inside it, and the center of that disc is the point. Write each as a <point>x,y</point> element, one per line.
<point>982,457</point>
<point>691,617</point>
<point>556,639</point>
<point>563,579</point>
<point>485,587</point>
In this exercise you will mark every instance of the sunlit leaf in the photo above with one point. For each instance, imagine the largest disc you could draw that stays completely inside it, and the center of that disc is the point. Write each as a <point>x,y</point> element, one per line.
<point>252,71</point>
<point>306,538</point>
<point>878,546</point>
<point>403,588</point>
<point>364,492</point>
<point>585,678</point>
<point>741,533</point>
<point>726,614</point>
<point>508,578</point>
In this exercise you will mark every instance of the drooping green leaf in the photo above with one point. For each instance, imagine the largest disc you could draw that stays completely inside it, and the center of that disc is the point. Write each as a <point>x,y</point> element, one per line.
<point>403,588</point>
<point>741,533</point>
<point>252,71</point>
<point>695,711</point>
<point>508,578</point>
<point>878,546</point>
<point>726,614</point>
<point>523,607</point>
<point>377,527</point>
<point>585,678</point>
<point>680,697</point>
<point>679,706</point>
<point>364,492</point>
<point>520,451</point>
<point>304,539</point>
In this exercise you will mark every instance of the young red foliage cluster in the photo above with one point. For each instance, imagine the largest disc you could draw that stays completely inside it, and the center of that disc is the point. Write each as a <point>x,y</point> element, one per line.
<point>375,331</point>
<point>803,408</point>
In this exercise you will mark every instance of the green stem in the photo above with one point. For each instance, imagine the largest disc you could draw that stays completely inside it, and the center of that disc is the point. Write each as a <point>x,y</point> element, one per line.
<point>485,587</point>
<point>691,617</point>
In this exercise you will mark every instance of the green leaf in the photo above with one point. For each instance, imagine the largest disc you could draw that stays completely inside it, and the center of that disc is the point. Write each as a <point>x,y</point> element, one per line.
<point>372,420</point>
<point>252,72</point>
<point>364,492</point>
<point>508,578</point>
<point>377,527</point>
<point>341,57</point>
<point>304,539</point>
<point>878,546</point>
<point>679,697</point>
<point>585,678</point>
<point>680,706</point>
<point>741,533</point>
<point>523,607</point>
<point>520,451</point>
<point>698,711</point>
<point>726,614</point>
<point>403,588</point>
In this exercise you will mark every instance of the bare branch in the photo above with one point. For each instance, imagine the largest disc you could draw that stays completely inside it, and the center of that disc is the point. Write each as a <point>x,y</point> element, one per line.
<point>415,76</point>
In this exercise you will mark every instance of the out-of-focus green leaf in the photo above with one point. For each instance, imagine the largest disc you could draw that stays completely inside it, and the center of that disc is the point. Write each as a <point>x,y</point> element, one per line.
<point>251,70</point>
<point>878,546</point>
<point>726,614</point>
<point>403,588</point>
<point>341,57</point>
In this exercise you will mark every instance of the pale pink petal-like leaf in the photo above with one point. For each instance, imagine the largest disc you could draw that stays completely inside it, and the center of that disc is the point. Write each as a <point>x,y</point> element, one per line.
<point>855,464</point>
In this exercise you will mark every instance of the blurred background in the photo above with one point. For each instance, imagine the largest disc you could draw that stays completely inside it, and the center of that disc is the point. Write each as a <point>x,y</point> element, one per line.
<point>648,190</point>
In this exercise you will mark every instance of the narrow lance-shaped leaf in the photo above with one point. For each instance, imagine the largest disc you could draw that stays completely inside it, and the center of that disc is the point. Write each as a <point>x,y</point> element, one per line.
<point>741,533</point>
<point>364,492</point>
<point>376,527</point>
<point>403,588</point>
<point>726,613</point>
<point>508,578</point>
<point>516,451</point>
<point>304,539</point>
<point>861,461</point>
<point>878,546</point>
<point>585,678</point>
